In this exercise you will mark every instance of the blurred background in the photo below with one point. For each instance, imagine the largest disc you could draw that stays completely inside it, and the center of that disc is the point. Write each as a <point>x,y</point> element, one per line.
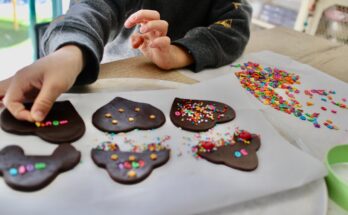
<point>23,21</point>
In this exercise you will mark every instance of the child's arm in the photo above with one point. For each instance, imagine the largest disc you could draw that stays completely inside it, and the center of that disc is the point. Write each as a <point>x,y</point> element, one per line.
<point>88,24</point>
<point>224,40</point>
<point>72,43</point>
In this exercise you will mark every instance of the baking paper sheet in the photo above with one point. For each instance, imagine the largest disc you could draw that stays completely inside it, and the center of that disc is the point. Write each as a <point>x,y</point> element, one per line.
<point>303,134</point>
<point>184,185</point>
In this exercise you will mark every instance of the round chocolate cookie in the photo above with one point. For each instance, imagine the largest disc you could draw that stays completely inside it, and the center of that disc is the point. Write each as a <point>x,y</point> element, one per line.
<point>62,125</point>
<point>122,115</point>
<point>199,115</point>
<point>31,173</point>
<point>241,154</point>
<point>129,167</point>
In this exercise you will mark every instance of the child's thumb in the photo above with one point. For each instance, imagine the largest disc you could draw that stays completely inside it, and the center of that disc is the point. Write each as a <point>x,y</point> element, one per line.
<point>44,101</point>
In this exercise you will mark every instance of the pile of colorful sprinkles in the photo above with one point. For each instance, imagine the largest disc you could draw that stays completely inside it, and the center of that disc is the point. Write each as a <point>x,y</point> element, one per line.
<point>262,83</point>
<point>197,112</point>
<point>154,146</point>
<point>108,146</point>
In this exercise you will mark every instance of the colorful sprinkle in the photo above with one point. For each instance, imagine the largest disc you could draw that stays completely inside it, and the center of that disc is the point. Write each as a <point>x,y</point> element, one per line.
<point>131,119</point>
<point>237,154</point>
<point>244,152</point>
<point>22,170</point>
<point>244,135</point>
<point>141,163</point>
<point>132,158</point>
<point>40,166</point>
<point>309,104</point>
<point>13,172</point>
<point>208,145</point>
<point>132,174</point>
<point>30,167</point>
<point>120,166</point>
<point>135,165</point>
<point>114,157</point>
<point>63,122</point>
<point>153,156</point>
<point>127,165</point>
<point>152,117</point>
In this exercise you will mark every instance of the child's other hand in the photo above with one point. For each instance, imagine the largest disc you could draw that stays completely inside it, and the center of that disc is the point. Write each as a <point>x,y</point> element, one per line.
<point>153,41</point>
<point>42,82</point>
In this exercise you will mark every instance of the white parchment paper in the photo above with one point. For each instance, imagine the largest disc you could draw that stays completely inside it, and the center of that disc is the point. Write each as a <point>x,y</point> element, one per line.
<point>312,140</point>
<point>184,185</point>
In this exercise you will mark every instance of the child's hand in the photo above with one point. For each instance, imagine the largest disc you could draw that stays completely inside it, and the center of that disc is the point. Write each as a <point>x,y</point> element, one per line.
<point>3,87</point>
<point>42,82</point>
<point>153,41</point>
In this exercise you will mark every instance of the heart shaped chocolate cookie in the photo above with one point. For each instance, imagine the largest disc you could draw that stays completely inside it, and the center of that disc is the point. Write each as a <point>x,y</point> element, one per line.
<point>199,115</point>
<point>122,115</point>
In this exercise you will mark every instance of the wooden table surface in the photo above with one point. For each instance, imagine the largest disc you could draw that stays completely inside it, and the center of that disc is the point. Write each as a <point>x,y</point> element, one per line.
<point>327,56</point>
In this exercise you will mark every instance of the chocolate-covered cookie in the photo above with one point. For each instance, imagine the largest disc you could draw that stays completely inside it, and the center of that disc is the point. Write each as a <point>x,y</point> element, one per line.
<point>31,173</point>
<point>239,154</point>
<point>129,167</point>
<point>199,115</point>
<point>62,125</point>
<point>122,115</point>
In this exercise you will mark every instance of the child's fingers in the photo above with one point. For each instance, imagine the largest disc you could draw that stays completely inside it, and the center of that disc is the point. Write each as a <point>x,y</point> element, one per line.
<point>141,16</point>
<point>14,102</point>
<point>4,84</point>
<point>17,109</point>
<point>137,40</point>
<point>49,92</point>
<point>160,26</point>
<point>3,88</point>
<point>162,43</point>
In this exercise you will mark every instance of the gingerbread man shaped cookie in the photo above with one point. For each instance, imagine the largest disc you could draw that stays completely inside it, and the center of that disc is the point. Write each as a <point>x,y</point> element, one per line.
<point>129,167</point>
<point>240,153</point>
<point>31,173</point>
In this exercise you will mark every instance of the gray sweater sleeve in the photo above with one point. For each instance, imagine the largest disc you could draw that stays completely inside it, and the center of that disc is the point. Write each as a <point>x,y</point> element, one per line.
<point>84,25</point>
<point>224,40</point>
<point>90,24</point>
